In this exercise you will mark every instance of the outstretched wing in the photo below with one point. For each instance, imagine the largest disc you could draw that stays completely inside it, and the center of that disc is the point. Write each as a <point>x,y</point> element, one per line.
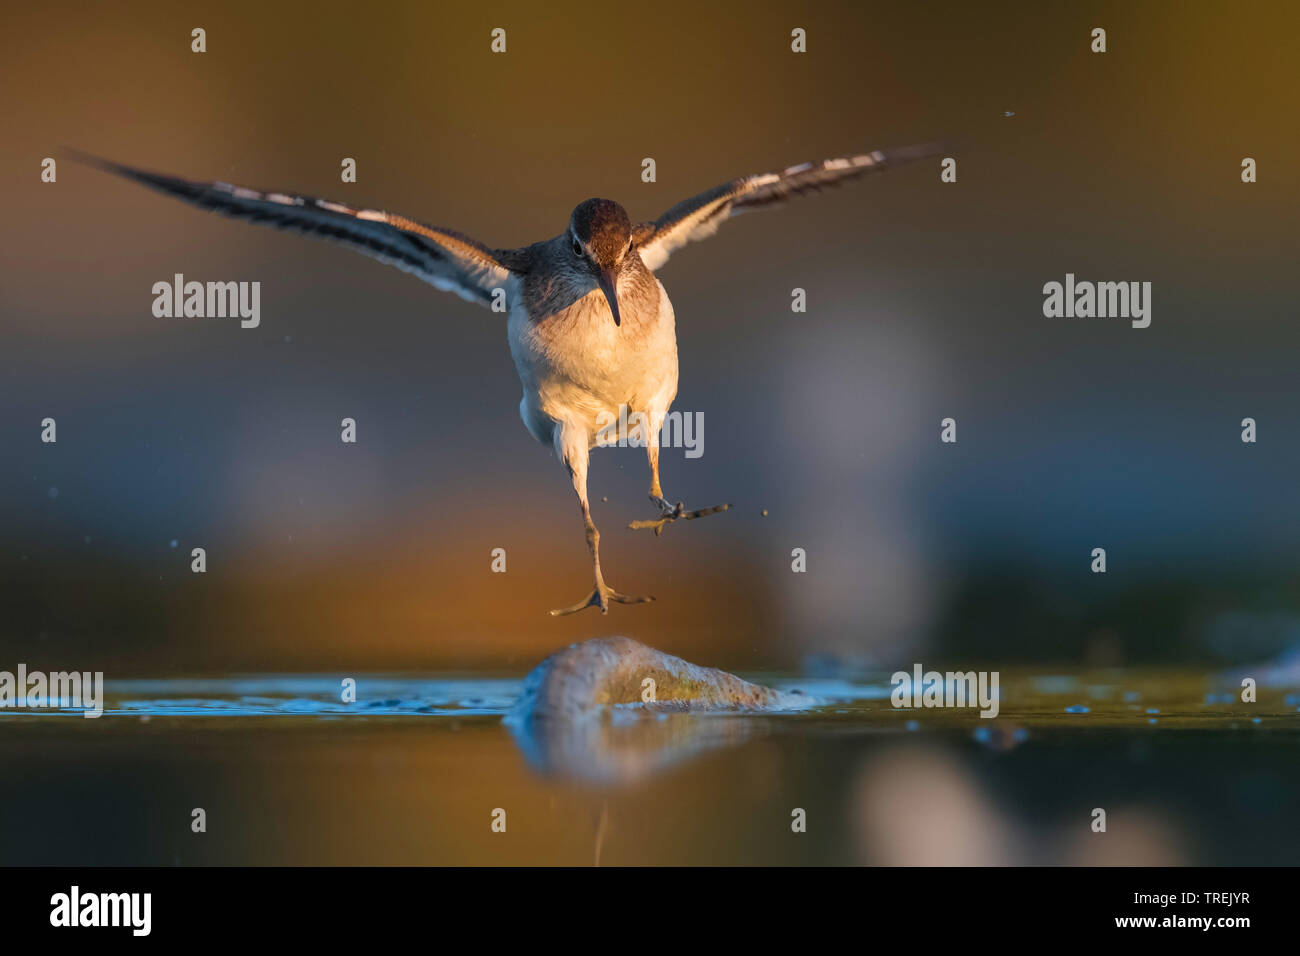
<point>700,216</point>
<point>445,259</point>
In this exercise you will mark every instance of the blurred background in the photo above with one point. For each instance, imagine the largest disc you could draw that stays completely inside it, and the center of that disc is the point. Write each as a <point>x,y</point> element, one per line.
<point>924,302</point>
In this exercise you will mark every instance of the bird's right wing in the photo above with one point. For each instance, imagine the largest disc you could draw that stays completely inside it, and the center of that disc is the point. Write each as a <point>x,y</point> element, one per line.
<point>446,260</point>
<point>700,216</point>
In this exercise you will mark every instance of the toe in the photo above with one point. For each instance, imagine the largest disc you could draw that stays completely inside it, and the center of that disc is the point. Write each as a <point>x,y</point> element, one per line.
<point>630,598</point>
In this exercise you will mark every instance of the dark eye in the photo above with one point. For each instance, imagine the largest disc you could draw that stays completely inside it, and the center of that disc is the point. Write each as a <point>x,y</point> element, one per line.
<point>577,248</point>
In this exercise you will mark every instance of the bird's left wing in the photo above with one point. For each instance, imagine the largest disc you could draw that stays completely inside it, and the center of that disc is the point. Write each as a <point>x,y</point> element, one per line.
<point>445,259</point>
<point>700,216</point>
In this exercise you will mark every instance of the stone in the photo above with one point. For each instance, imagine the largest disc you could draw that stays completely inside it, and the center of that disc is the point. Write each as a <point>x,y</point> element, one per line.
<point>590,678</point>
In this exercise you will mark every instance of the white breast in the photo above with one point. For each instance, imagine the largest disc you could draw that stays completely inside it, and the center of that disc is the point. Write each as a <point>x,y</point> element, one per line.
<point>576,365</point>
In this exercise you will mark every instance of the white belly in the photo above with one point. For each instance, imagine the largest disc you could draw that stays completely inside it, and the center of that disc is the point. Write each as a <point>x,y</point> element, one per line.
<point>578,367</point>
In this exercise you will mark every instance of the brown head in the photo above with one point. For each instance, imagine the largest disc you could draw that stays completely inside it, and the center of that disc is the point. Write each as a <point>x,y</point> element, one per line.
<point>600,235</point>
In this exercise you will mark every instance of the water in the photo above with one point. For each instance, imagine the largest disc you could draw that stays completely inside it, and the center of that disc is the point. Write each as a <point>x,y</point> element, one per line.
<point>413,771</point>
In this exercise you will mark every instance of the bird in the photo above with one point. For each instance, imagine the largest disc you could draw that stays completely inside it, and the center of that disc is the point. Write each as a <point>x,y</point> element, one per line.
<point>590,326</point>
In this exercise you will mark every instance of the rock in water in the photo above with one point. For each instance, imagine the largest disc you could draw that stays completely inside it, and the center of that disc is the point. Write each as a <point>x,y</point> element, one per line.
<point>585,679</point>
<point>584,712</point>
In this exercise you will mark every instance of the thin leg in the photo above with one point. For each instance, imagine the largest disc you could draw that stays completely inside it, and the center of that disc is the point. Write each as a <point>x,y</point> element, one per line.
<point>575,459</point>
<point>667,511</point>
<point>652,453</point>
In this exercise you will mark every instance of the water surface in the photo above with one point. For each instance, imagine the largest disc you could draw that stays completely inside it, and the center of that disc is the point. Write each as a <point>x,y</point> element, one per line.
<point>412,772</point>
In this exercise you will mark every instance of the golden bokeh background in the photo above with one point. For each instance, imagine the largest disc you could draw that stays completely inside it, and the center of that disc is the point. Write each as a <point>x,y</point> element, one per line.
<point>924,301</point>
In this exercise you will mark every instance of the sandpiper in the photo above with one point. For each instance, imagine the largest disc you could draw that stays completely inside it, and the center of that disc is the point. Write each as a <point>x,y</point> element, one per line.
<point>590,326</point>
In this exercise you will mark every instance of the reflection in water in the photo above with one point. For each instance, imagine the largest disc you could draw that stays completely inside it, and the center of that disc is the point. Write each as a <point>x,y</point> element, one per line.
<point>923,805</point>
<point>624,746</point>
<point>918,806</point>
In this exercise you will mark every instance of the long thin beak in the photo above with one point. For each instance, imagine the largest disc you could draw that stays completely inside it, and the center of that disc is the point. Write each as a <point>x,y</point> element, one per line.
<point>609,285</point>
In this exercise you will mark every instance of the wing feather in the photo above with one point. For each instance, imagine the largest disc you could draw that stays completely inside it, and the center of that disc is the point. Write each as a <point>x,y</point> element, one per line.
<point>445,259</point>
<point>700,216</point>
